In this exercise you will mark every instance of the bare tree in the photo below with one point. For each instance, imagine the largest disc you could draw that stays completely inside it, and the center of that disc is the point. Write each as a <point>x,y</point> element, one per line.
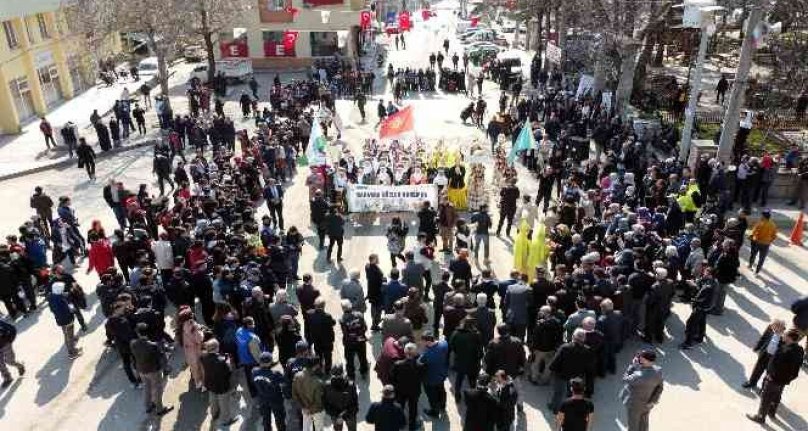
<point>162,23</point>
<point>212,18</point>
<point>625,26</point>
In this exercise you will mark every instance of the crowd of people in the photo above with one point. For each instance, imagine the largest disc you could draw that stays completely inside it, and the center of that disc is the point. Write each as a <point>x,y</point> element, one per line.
<point>623,236</point>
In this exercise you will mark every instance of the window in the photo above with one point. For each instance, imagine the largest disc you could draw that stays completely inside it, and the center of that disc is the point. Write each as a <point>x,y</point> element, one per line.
<point>11,36</point>
<point>324,44</point>
<point>43,26</point>
<point>279,44</point>
<point>31,39</point>
<point>276,5</point>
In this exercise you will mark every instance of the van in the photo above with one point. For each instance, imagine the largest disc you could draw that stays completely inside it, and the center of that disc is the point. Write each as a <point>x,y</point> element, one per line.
<point>234,70</point>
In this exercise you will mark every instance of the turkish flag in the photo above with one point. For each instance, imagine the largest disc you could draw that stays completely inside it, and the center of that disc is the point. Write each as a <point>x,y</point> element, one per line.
<point>474,21</point>
<point>404,21</point>
<point>425,14</point>
<point>364,19</point>
<point>399,123</point>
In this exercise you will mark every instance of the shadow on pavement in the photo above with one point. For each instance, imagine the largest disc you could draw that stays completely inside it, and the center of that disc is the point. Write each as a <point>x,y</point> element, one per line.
<point>53,377</point>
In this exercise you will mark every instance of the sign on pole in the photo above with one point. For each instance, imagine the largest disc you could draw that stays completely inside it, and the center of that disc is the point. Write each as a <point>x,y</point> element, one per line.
<point>553,53</point>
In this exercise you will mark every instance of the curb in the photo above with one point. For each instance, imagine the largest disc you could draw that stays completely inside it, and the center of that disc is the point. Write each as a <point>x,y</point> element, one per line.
<point>68,162</point>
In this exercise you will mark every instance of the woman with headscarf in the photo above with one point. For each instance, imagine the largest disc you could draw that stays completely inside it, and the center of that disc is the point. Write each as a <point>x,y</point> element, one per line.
<point>191,337</point>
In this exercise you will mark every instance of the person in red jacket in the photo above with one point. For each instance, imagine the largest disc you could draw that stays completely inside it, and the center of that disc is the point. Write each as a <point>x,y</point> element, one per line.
<point>47,130</point>
<point>101,256</point>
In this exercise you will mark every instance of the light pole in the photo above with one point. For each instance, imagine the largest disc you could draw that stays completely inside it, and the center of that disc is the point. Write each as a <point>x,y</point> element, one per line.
<point>731,122</point>
<point>698,14</point>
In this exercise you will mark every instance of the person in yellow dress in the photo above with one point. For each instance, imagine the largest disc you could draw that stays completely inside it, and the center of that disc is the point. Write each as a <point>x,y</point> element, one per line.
<point>539,251</point>
<point>521,249</point>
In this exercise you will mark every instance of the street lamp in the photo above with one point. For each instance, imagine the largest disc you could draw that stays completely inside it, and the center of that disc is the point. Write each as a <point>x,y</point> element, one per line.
<point>697,14</point>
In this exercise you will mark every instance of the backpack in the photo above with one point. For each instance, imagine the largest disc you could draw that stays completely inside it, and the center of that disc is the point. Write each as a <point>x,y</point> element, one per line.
<point>8,333</point>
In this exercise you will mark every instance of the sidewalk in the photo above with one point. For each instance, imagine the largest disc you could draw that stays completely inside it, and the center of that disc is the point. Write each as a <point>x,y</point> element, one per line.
<point>25,153</point>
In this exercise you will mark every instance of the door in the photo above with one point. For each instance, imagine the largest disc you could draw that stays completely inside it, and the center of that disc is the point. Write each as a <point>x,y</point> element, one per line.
<point>23,101</point>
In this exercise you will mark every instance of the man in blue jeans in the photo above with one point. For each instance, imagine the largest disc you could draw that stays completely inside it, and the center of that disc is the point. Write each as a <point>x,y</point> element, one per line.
<point>482,220</point>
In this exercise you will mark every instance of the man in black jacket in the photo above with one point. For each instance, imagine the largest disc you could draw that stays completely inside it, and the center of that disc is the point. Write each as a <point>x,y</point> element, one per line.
<point>696,324</point>
<point>573,359</point>
<point>150,362</point>
<point>784,367</point>
<point>217,374</point>
<point>406,376</point>
<point>427,222</point>
<point>335,228</point>
<point>482,408</point>
<point>354,340</point>
<point>375,278</point>
<point>319,331</point>
<point>386,415</point>
<point>319,208</point>
<point>341,400</point>
<point>766,346</point>
<point>543,341</point>
<point>121,329</point>
<point>506,353</point>
<point>508,196</point>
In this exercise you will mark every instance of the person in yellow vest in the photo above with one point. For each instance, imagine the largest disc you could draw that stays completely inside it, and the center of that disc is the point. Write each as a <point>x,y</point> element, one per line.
<point>763,234</point>
<point>686,202</point>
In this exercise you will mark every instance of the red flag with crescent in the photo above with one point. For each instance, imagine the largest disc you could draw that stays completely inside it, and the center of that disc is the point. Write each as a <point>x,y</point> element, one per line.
<point>397,124</point>
<point>364,19</point>
<point>404,21</point>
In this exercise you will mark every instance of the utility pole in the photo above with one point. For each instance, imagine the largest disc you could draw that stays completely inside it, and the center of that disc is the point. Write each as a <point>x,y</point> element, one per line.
<point>693,99</point>
<point>731,123</point>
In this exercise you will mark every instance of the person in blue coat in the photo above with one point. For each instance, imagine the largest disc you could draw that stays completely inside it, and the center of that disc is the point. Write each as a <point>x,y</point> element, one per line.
<point>62,312</point>
<point>393,290</point>
<point>436,360</point>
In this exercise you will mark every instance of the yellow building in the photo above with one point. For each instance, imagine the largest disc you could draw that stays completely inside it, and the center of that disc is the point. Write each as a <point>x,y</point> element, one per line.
<point>320,28</point>
<point>41,62</point>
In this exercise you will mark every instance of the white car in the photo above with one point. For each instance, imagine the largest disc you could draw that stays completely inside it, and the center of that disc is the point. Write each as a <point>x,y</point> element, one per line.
<point>234,70</point>
<point>480,44</point>
<point>148,66</point>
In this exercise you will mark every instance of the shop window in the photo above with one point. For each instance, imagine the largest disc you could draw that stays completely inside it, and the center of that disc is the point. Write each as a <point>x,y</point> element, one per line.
<point>324,44</point>
<point>11,35</point>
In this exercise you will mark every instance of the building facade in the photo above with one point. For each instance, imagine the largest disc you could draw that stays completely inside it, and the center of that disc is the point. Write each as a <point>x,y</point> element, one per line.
<point>293,33</point>
<point>41,62</point>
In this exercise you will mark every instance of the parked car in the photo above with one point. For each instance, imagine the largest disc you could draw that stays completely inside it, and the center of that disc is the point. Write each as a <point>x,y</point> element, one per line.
<point>148,66</point>
<point>194,53</point>
<point>392,29</point>
<point>235,70</point>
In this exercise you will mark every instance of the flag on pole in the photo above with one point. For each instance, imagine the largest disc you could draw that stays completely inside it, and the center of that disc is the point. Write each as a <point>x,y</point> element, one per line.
<point>397,124</point>
<point>525,141</point>
<point>316,151</point>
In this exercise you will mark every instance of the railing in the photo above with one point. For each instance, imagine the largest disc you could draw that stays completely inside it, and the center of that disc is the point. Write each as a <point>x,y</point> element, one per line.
<point>775,120</point>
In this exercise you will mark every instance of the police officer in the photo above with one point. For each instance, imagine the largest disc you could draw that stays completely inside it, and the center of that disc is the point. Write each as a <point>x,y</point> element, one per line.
<point>268,388</point>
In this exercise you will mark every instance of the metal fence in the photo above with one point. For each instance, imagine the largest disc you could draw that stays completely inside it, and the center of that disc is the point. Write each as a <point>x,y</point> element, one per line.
<point>775,120</point>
